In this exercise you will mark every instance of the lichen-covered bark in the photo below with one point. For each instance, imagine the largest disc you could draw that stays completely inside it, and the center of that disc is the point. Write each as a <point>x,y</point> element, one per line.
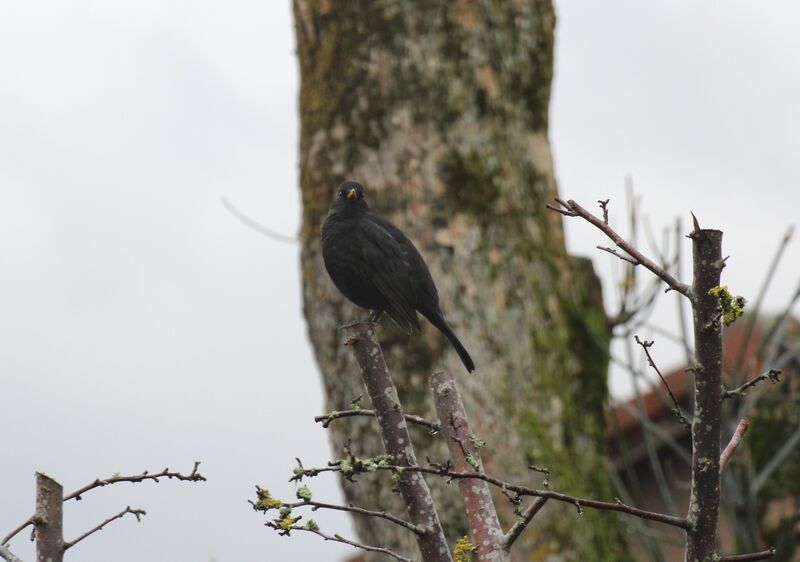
<point>440,109</point>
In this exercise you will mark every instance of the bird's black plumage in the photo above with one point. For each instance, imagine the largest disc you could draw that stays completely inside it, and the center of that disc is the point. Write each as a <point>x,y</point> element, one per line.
<point>377,267</point>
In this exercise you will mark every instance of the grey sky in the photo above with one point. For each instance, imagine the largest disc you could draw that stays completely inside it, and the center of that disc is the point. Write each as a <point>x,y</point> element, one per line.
<point>142,326</point>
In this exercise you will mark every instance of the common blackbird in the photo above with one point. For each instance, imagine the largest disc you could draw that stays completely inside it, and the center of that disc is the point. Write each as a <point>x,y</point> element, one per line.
<point>374,265</point>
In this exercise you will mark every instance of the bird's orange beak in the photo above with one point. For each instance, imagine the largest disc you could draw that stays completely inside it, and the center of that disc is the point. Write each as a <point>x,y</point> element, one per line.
<point>352,194</point>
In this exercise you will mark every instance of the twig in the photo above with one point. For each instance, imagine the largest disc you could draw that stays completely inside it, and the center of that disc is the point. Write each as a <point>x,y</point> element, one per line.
<point>763,555</point>
<point>135,512</point>
<point>518,489</point>
<point>7,555</point>
<point>326,419</point>
<point>646,345</point>
<point>522,522</point>
<point>613,252</point>
<point>773,375</point>
<point>572,209</point>
<point>31,521</point>
<point>730,448</point>
<point>340,539</point>
<point>255,225</point>
<point>315,505</point>
<point>194,476</point>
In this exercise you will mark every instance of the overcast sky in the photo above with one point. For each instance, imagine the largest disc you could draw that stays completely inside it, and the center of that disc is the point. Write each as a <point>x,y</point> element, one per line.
<point>142,326</point>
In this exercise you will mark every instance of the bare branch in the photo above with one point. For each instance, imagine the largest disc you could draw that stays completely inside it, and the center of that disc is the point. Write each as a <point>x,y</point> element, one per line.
<point>763,555</point>
<point>49,519</point>
<point>613,252</point>
<point>135,512</point>
<point>704,496</point>
<point>315,505</point>
<point>326,419</point>
<point>464,451</point>
<point>194,476</point>
<point>360,338</point>
<point>527,516</point>
<point>572,209</point>
<point>773,376</point>
<point>31,521</point>
<point>676,407</point>
<point>446,472</point>
<point>7,555</point>
<point>340,539</point>
<point>257,226</point>
<point>730,448</point>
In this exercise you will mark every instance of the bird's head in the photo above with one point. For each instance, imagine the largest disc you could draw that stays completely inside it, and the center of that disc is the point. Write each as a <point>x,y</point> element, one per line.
<point>351,191</point>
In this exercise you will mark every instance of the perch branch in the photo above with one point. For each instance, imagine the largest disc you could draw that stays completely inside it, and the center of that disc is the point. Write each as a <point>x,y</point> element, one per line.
<point>360,338</point>
<point>516,529</point>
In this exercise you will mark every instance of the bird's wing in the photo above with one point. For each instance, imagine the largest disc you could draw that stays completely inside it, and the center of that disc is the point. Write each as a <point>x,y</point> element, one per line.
<point>389,269</point>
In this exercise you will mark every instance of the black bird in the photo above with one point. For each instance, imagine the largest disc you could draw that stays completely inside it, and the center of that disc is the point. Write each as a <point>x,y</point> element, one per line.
<point>374,265</point>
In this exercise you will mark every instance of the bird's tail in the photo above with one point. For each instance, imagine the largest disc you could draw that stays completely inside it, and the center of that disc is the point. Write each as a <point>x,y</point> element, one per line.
<point>463,354</point>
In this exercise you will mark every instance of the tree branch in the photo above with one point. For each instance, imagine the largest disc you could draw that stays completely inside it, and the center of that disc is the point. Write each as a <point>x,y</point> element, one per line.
<point>676,406</point>
<point>257,226</point>
<point>763,555</point>
<point>446,472</point>
<point>572,209</point>
<point>326,419</point>
<point>194,476</point>
<point>522,522</point>
<point>30,521</point>
<point>730,448</point>
<point>315,505</point>
<point>484,525</point>
<point>7,555</point>
<point>136,512</point>
<point>773,375</point>
<point>707,420</point>
<point>360,338</point>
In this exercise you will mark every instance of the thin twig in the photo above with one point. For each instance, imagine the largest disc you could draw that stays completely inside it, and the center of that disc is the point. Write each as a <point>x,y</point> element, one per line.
<point>258,227</point>
<point>135,512</point>
<point>340,539</point>
<point>31,521</point>
<point>522,522</point>
<point>326,419</point>
<point>573,209</point>
<point>773,375</point>
<point>730,448</point>
<point>314,505</point>
<point>646,345</point>
<point>194,476</point>
<point>763,555</point>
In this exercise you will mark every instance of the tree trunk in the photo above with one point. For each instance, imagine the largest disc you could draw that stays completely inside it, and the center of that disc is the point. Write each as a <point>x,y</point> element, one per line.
<point>440,109</point>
